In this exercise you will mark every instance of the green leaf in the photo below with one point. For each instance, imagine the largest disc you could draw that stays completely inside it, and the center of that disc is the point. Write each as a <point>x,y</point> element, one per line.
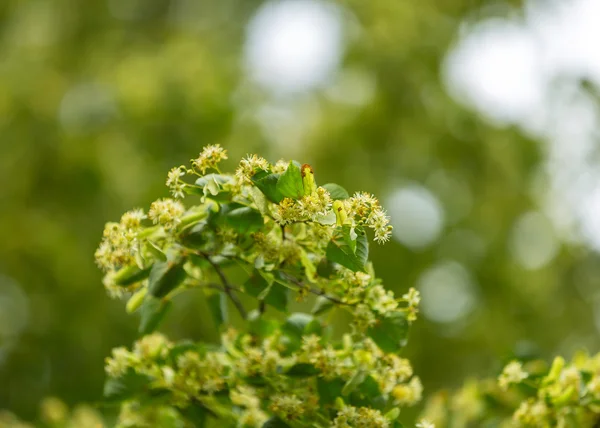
<point>197,236</point>
<point>348,252</point>
<point>302,370</point>
<point>275,422</point>
<point>126,386</point>
<point>212,186</point>
<point>310,271</point>
<point>329,390</point>
<point>325,268</point>
<point>267,184</point>
<point>336,191</point>
<point>130,275</point>
<point>271,293</point>
<point>153,311</point>
<point>290,183</point>
<point>353,383</point>
<point>166,276</point>
<point>244,220</point>
<point>259,325</point>
<point>393,414</point>
<point>322,305</point>
<point>390,333</point>
<point>156,251</point>
<point>217,303</point>
<point>195,413</point>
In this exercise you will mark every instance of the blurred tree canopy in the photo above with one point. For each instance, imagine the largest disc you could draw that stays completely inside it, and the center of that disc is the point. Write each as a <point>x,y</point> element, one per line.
<point>98,99</point>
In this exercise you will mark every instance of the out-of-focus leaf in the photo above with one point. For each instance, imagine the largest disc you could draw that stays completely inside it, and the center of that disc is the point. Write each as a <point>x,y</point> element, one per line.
<point>322,305</point>
<point>166,276</point>
<point>302,370</point>
<point>217,303</point>
<point>126,386</point>
<point>275,422</point>
<point>153,311</point>
<point>272,293</point>
<point>336,191</point>
<point>130,275</point>
<point>390,333</point>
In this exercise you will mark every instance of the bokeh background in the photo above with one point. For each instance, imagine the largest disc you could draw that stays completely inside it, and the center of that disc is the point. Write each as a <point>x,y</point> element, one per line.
<point>476,122</point>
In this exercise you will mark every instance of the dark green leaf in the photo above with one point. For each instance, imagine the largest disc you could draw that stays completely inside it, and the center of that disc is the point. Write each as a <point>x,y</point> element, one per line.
<point>295,327</point>
<point>273,294</point>
<point>153,311</point>
<point>267,184</point>
<point>195,413</point>
<point>259,325</point>
<point>296,323</point>
<point>290,183</point>
<point>131,275</point>
<point>302,370</point>
<point>156,251</point>
<point>354,382</point>
<point>322,305</point>
<point>325,268</point>
<point>217,303</point>
<point>197,235</point>
<point>329,390</point>
<point>349,253</point>
<point>165,276</point>
<point>244,220</point>
<point>126,386</point>
<point>390,333</point>
<point>181,348</point>
<point>336,191</point>
<point>275,422</point>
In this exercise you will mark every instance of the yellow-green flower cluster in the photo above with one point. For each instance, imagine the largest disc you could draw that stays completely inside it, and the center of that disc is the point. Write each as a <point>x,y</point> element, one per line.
<point>512,373</point>
<point>166,212</point>
<point>308,208</point>
<point>174,182</point>
<point>276,225</point>
<point>361,417</point>
<point>120,241</point>
<point>366,210</point>
<point>565,395</point>
<point>209,158</point>
<point>248,167</point>
<point>54,413</point>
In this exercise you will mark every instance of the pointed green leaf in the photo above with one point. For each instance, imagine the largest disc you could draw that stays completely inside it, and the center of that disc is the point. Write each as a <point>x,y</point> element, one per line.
<point>153,311</point>
<point>267,183</point>
<point>390,333</point>
<point>244,220</point>
<point>348,252</point>
<point>126,386</point>
<point>290,183</point>
<point>275,422</point>
<point>353,383</point>
<point>272,293</point>
<point>322,305</point>
<point>130,275</point>
<point>329,390</point>
<point>336,191</point>
<point>166,276</point>
<point>217,303</point>
<point>302,370</point>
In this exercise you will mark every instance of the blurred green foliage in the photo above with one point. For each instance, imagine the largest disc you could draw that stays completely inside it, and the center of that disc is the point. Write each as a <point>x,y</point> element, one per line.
<point>94,109</point>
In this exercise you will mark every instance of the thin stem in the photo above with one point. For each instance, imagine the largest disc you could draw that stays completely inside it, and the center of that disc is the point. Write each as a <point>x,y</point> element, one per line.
<point>315,291</point>
<point>228,288</point>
